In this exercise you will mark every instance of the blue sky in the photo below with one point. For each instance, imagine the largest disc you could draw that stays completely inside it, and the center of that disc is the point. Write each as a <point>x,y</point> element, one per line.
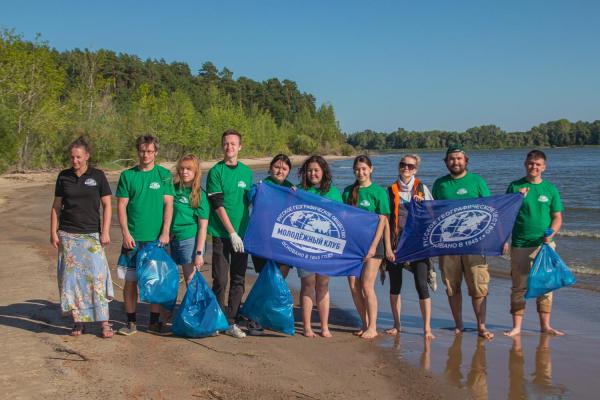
<point>388,64</point>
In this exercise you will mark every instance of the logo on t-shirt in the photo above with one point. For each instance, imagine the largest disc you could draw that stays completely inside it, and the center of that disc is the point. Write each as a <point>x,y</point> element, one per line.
<point>154,185</point>
<point>543,199</point>
<point>90,182</point>
<point>242,184</point>
<point>183,199</point>
<point>365,203</point>
<point>462,191</point>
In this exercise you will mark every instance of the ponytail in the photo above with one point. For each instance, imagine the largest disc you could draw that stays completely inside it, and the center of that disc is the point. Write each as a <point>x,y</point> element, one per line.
<point>353,197</point>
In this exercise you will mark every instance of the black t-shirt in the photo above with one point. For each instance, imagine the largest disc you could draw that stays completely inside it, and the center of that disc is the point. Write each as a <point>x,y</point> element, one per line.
<point>81,195</point>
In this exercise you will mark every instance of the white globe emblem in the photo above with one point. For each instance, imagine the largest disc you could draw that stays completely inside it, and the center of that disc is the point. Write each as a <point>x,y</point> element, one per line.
<point>312,222</point>
<point>461,226</point>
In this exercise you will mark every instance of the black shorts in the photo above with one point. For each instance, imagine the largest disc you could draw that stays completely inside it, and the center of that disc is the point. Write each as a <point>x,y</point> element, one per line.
<point>380,250</point>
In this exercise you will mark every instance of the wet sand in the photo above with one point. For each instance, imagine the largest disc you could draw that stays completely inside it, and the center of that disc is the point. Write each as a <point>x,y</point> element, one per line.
<point>534,366</point>
<point>40,360</point>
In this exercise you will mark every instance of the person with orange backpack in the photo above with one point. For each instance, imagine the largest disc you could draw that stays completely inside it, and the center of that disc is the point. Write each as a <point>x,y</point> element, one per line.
<point>406,189</point>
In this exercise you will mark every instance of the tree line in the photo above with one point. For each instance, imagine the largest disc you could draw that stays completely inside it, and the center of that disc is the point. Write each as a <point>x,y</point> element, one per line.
<point>50,97</point>
<point>550,134</point>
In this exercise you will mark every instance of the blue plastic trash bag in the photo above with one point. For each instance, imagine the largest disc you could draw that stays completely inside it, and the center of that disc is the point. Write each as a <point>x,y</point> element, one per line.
<point>549,272</point>
<point>199,313</point>
<point>270,301</point>
<point>157,276</point>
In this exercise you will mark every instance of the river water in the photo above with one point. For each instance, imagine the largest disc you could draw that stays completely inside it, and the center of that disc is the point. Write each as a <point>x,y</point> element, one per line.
<point>574,171</point>
<point>531,366</point>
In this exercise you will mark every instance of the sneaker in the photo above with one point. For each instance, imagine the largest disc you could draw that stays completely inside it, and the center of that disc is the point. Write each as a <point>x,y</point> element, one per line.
<point>254,328</point>
<point>235,332</point>
<point>431,279</point>
<point>128,329</point>
<point>159,329</point>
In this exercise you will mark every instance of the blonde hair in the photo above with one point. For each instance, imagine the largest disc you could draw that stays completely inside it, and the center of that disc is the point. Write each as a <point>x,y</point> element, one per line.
<point>413,156</point>
<point>194,163</point>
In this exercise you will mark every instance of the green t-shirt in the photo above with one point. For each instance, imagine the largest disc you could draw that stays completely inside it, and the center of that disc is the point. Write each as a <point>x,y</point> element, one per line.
<point>332,194</point>
<point>145,191</point>
<point>185,218</point>
<point>535,215</point>
<point>469,186</point>
<point>372,198</point>
<point>233,183</point>
<point>285,183</point>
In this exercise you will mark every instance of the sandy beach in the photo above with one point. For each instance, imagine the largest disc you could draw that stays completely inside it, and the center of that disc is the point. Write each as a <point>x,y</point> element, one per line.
<point>40,360</point>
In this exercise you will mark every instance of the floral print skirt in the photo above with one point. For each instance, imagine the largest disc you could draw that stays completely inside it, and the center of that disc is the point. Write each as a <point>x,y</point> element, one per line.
<point>84,281</point>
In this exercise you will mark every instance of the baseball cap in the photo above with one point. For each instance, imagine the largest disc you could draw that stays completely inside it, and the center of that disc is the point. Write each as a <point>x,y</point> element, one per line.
<point>455,149</point>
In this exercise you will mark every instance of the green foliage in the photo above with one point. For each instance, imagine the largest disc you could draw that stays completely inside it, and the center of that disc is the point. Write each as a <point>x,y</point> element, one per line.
<point>48,98</point>
<point>554,133</point>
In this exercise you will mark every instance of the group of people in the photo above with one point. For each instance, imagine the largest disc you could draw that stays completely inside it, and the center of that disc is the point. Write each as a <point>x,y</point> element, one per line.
<point>155,205</point>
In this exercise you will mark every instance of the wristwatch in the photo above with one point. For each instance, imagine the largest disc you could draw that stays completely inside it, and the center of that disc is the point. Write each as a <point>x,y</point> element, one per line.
<point>199,252</point>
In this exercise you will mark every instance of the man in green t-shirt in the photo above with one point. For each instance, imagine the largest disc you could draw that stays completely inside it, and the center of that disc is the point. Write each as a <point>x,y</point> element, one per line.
<point>226,185</point>
<point>145,208</point>
<point>461,184</point>
<point>541,209</point>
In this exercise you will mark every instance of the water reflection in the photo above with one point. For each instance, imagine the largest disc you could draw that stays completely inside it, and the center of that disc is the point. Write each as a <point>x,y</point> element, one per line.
<point>537,385</point>
<point>541,385</point>
<point>477,376</point>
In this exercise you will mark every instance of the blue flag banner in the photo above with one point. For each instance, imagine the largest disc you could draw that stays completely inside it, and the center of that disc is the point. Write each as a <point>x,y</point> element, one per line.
<point>478,226</point>
<point>311,232</point>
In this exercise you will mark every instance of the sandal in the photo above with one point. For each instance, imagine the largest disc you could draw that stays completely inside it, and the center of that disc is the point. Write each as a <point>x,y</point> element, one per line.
<point>107,331</point>
<point>77,330</point>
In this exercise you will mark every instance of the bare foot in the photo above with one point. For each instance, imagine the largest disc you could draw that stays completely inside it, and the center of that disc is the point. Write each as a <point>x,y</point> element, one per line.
<point>485,334</point>
<point>458,331</point>
<point>513,332</point>
<point>429,335</point>
<point>309,333</point>
<point>393,331</point>
<point>369,334</point>
<point>552,332</point>
<point>325,333</point>
<point>359,332</point>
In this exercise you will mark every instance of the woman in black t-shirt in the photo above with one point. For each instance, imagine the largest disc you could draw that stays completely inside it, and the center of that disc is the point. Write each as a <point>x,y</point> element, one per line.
<point>84,280</point>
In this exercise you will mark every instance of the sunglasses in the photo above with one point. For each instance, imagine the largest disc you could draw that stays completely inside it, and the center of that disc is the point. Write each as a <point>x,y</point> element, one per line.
<point>409,166</point>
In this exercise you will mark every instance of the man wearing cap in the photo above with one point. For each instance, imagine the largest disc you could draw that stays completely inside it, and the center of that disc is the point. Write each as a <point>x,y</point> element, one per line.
<point>461,184</point>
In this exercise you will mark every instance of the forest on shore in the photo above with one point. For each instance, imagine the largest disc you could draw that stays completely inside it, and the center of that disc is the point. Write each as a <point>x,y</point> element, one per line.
<point>560,133</point>
<point>49,97</point>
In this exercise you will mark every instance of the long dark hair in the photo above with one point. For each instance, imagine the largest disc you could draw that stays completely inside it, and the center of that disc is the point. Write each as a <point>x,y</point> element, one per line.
<point>353,198</point>
<point>325,180</point>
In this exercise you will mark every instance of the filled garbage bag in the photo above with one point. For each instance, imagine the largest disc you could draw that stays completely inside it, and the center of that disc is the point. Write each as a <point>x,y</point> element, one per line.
<point>270,301</point>
<point>157,276</point>
<point>199,312</point>
<point>549,272</point>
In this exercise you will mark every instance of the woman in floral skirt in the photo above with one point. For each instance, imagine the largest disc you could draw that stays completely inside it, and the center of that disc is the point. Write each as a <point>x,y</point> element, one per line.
<point>79,234</point>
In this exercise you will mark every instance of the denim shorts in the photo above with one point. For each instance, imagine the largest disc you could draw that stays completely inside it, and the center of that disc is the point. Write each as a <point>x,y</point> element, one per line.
<point>127,262</point>
<point>183,251</point>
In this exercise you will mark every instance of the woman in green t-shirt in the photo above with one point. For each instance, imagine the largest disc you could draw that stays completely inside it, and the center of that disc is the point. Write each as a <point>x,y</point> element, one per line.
<point>190,217</point>
<point>279,170</point>
<point>369,196</point>
<point>315,177</point>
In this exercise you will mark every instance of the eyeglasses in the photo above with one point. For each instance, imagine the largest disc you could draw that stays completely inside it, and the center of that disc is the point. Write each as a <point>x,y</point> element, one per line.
<point>409,166</point>
<point>146,151</point>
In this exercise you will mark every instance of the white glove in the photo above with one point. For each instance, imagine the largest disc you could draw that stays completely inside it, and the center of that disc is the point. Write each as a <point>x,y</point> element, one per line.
<point>237,243</point>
